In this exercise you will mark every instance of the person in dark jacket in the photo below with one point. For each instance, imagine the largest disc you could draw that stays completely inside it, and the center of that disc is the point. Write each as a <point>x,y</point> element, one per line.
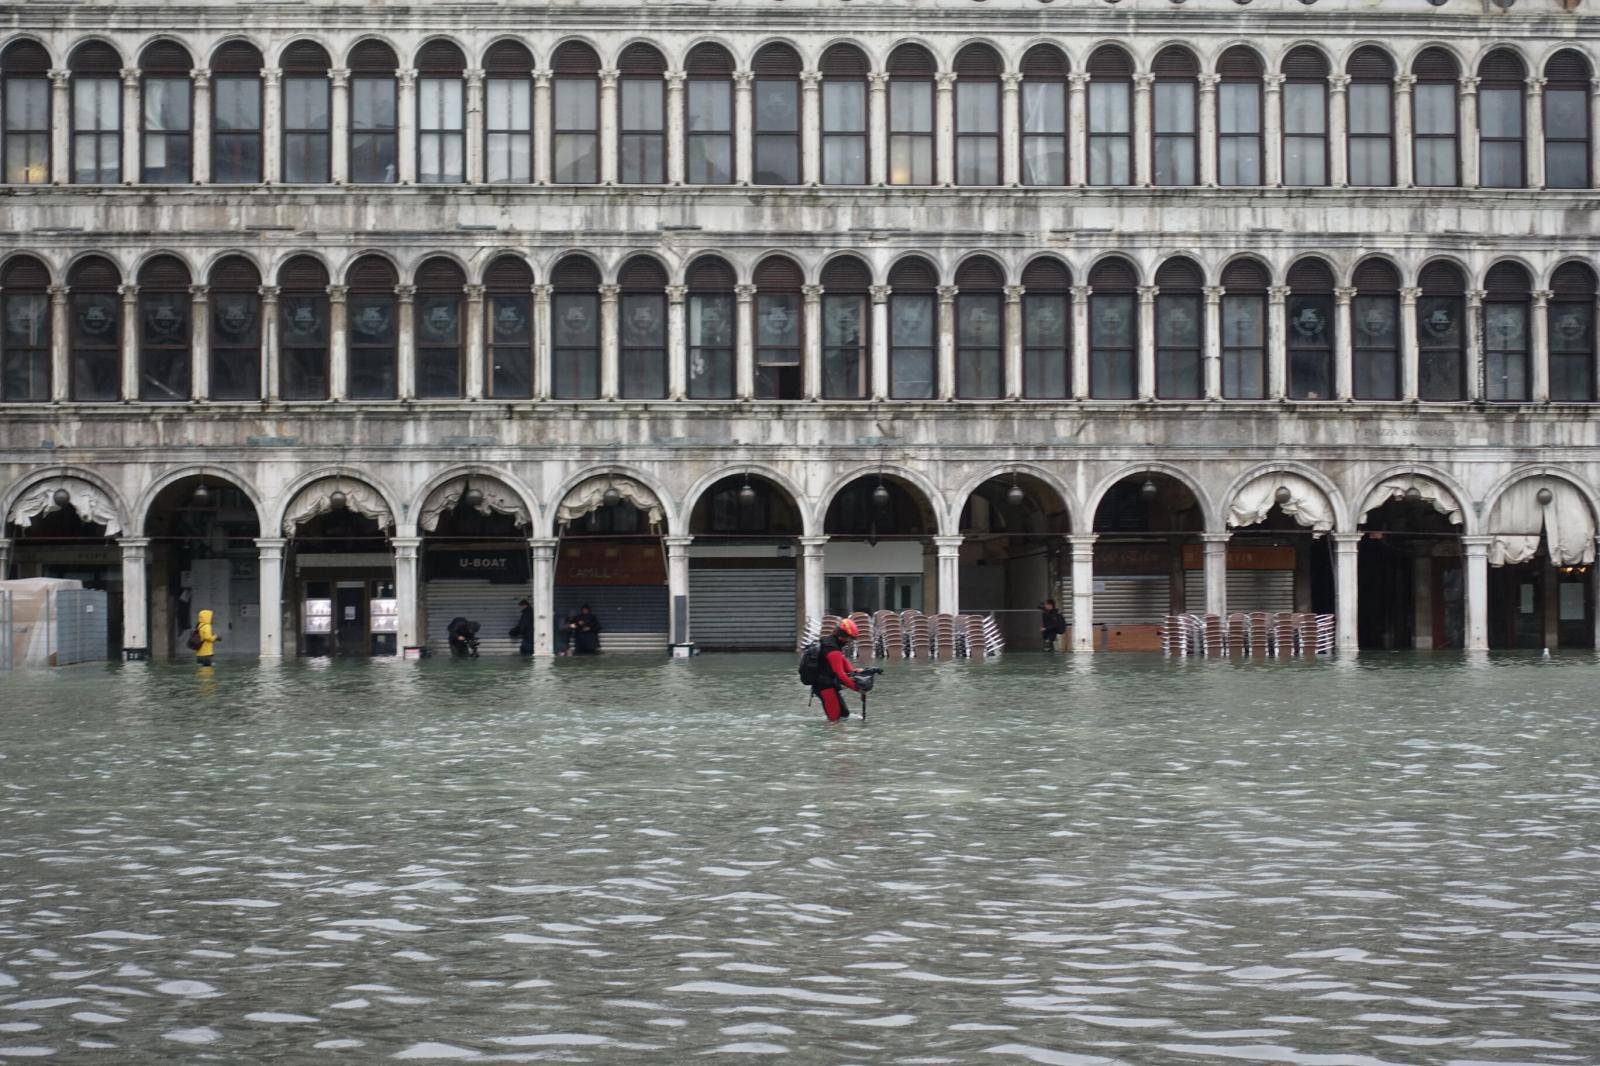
<point>524,628</point>
<point>586,632</point>
<point>834,674</point>
<point>1051,623</point>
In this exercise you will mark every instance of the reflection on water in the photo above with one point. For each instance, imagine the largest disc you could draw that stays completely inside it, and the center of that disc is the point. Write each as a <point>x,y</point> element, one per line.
<point>1044,860</point>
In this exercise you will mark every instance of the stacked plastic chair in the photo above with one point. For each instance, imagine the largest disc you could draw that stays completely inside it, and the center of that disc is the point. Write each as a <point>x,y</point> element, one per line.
<point>944,636</point>
<point>1175,635</point>
<point>1238,633</point>
<point>993,641</point>
<point>866,635</point>
<point>1214,635</point>
<point>1315,633</point>
<point>1283,642</point>
<point>891,635</point>
<point>809,634</point>
<point>1260,633</point>
<point>919,635</point>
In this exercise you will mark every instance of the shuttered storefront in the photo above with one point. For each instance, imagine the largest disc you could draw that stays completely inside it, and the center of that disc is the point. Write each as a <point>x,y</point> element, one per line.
<point>1248,590</point>
<point>492,605</point>
<point>742,609</point>
<point>633,618</point>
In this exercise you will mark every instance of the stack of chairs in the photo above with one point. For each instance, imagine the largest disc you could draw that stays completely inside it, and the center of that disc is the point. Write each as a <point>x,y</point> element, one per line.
<point>1315,633</point>
<point>1283,633</point>
<point>944,636</point>
<point>891,636</point>
<point>993,640</point>
<point>1260,633</point>
<point>1238,633</point>
<point>919,634</point>
<point>1175,634</point>
<point>866,635</point>
<point>1214,635</point>
<point>969,632</point>
<point>809,634</point>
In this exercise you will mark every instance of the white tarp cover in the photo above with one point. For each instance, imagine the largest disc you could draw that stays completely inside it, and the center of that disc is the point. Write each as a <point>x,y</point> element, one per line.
<point>1395,488</point>
<point>1307,504</point>
<point>90,503</point>
<point>31,610</point>
<point>1518,518</point>
<point>317,498</point>
<point>497,499</point>
<point>590,496</point>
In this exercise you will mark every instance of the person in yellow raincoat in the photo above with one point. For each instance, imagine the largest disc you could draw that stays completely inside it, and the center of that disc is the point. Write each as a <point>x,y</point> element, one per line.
<point>208,639</point>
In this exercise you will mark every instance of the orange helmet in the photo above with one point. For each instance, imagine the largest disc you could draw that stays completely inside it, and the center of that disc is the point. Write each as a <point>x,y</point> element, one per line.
<point>848,627</point>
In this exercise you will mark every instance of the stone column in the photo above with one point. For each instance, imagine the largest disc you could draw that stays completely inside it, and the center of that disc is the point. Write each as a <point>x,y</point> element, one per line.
<point>1078,129</point>
<point>1082,591</point>
<point>1142,125</point>
<point>1404,156</point>
<point>814,578</point>
<point>1208,129</point>
<point>1539,346</point>
<point>1080,340</point>
<point>609,356</point>
<point>1216,572</point>
<point>1144,387</point>
<point>60,346</point>
<point>1278,342</point>
<point>543,600</point>
<point>131,113</point>
<point>1594,588</point>
<point>405,591</point>
<point>1011,128</point>
<point>337,360</point>
<point>269,342</point>
<point>678,593</point>
<point>1272,129</point>
<point>5,568</point>
<point>811,127</point>
<point>271,125</point>
<point>477,353</point>
<point>949,549</point>
<point>676,146</point>
<point>1410,353</point>
<point>1533,132</point>
<point>1212,379</point>
<point>541,341</point>
<point>1343,369</point>
<point>1477,575</point>
<point>1467,122</point>
<point>339,135</point>
<point>744,351</point>
<point>135,599</point>
<point>677,342</point>
<point>1338,131</point>
<point>945,387</point>
<point>130,341</point>
<point>1475,343</point>
<point>1345,546</point>
<point>61,126</point>
<point>1594,169</point>
<point>944,128</point>
<point>811,338</point>
<point>608,127</point>
<point>269,575</point>
<point>201,131</point>
<point>200,342</point>
<point>880,341</point>
<point>406,344</point>
<point>1012,388</point>
<point>743,124</point>
<point>542,135</point>
<point>474,126</point>
<point>878,128</point>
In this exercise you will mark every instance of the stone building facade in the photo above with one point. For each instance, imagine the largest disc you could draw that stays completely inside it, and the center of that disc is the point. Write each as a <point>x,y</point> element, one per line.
<point>722,315</point>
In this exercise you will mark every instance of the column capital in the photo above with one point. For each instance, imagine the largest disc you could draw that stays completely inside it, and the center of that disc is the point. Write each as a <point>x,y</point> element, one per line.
<point>1209,539</point>
<point>745,293</point>
<point>541,78</point>
<point>1143,80</point>
<point>1014,293</point>
<point>1338,82</point>
<point>1082,292</point>
<point>58,293</point>
<point>813,546</point>
<point>268,293</point>
<point>1409,294</point>
<point>1475,297</point>
<point>270,76</point>
<point>947,293</point>
<point>880,81</point>
<point>201,76</point>
<point>541,293</point>
<point>1594,86</point>
<point>60,77</point>
<point>406,293</point>
<point>1078,80</point>
<point>674,78</point>
<point>543,546</point>
<point>271,547</point>
<point>133,546</point>
<point>1343,294</point>
<point>1403,82</point>
<point>608,77</point>
<point>1213,293</point>
<point>199,293</point>
<point>340,77</point>
<point>743,78</point>
<point>475,76</point>
<point>810,79</point>
<point>945,79</point>
<point>407,76</point>
<point>128,292</point>
<point>949,544</point>
<point>1209,82</point>
<point>130,77</point>
<point>1278,293</point>
<point>1011,80</point>
<point>1536,86</point>
<point>812,293</point>
<point>1477,545</point>
<point>1541,297</point>
<point>1468,84</point>
<point>677,542</point>
<point>1082,541</point>
<point>1346,542</point>
<point>1272,82</point>
<point>880,293</point>
<point>337,293</point>
<point>609,293</point>
<point>676,294</point>
<point>1148,293</point>
<point>474,292</point>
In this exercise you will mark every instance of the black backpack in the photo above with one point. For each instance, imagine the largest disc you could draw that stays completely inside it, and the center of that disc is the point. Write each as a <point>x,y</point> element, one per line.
<point>810,663</point>
<point>194,640</point>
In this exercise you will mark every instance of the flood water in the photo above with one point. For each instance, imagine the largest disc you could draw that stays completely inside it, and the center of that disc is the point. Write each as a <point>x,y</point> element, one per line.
<point>1040,860</point>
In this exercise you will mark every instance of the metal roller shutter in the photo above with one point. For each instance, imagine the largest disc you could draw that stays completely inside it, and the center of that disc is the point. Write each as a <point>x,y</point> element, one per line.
<point>742,608</point>
<point>492,605</point>
<point>1132,599</point>
<point>1248,590</point>
<point>633,618</point>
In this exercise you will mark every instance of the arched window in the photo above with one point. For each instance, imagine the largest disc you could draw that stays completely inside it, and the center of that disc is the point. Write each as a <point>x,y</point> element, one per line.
<point>575,329</point>
<point>844,115</point>
<point>164,358</point>
<point>166,123</point>
<point>913,330</point>
<point>437,327</point>
<point>1566,121</point>
<point>1113,330</point>
<point>508,285</point>
<point>236,114</point>
<point>1371,117</point>
<point>25,331</point>
<point>712,329</point>
<point>911,118</point>
<point>978,69</point>
<point>1310,331</point>
<point>1244,330</point>
<point>1173,136</point>
<point>642,89</point>
<point>96,329</point>
<point>980,329</point>
<point>1441,333</point>
<point>1572,349</point>
<point>777,115</point>
<point>441,114</point>
<point>372,330</point>
<point>1110,117</point>
<point>1239,148</point>
<point>1505,334</point>
<point>1376,344</point>
<point>235,329</point>
<point>1434,118</point>
<point>1180,330</point>
<point>846,329</point>
<point>1305,117</point>
<point>508,114</point>
<point>643,329</point>
<point>25,89</point>
<point>1044,115</point>
<point>303,349</point>
<point>1046,330</point>
<point>96,114</point>
<point>307,116</point>
<point>780,329</point>
<point>374,116</point>
<point>1502,76</point>
<point>709,130</point>
<point>575,131</point>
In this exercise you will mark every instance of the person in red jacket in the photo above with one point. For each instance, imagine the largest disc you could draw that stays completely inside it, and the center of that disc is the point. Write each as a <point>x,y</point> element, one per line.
<point>833,676</point>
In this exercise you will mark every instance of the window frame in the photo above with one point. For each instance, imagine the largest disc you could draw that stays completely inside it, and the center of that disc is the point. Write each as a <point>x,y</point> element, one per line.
<point>443,134</point>
<point>511,135</point>
<point>627,134</point>
<point>1240,356</point>
<point>1032,353</point>
<point>1584,141</point>
<point>8,134</point>
<point>863,136</point>
<point>1584,358</point>
<point>379,135</point>
<point>221,136</point>
<point>78,352</point>
<point>724,352</point>
<point>1190,140</point>
<point>1485,141</point>
<point>1226,139</point>
<point>1172,360</point>
<point>185,135</point>
<point>914,141</point>
<point>420,348</point>
<point>1124,137</point>
<point>758,135</point>
<point>1523,355</point>
<point>100,133</point>
<point>966,300</point>
<point>1418,138</point>
<point>358,353</point>
<point>1352,137</point>
<point>558,299</point>
<point>1360,354</point>
<point>308,133</point>
<point>1112,356</point>
<point>38,356</point>
<point>967,140</point>
<point>1291,136</point>
<point>558,131</point>
<point>898,351</point>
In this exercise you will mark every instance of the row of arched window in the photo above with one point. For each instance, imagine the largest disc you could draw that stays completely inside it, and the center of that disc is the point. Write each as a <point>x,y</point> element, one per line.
<point>371,338</point>
<point>1372,125</point>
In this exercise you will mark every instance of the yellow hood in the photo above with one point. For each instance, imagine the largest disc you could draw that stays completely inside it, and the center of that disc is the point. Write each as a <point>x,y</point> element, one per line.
<point>205,618</point>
